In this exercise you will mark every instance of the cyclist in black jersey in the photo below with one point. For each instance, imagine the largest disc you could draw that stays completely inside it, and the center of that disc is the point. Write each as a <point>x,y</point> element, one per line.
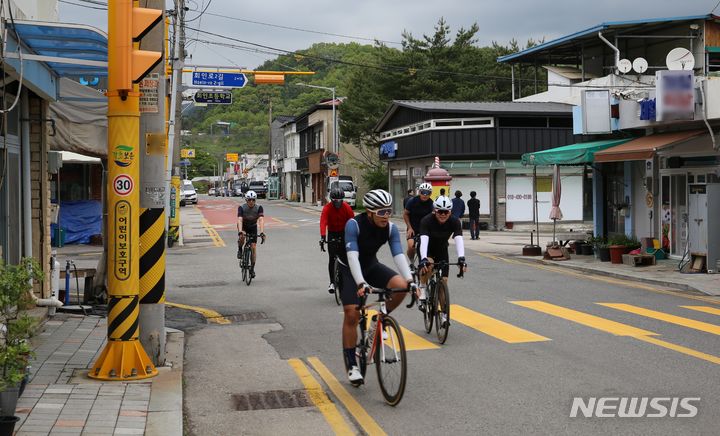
<point>364,235</point>
<point>250,216</point>
<point>415,210</point>
<point>435,230</point>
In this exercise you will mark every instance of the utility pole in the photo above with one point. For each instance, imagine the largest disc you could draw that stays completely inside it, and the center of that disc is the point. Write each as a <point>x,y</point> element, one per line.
<point>153,152</point>
<point>270,136</point>
<point>124,358</point>
<point>172,178</point>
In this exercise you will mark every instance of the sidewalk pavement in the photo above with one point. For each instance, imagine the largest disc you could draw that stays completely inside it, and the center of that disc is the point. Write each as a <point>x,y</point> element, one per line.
<point>61,399</point>
<point>510,244</point>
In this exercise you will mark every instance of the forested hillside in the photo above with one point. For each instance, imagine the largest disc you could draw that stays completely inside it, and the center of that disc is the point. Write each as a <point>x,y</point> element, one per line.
<point>437,66</point>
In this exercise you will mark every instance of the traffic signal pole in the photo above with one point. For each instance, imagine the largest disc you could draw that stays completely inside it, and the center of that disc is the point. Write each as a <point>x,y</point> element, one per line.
<point>123,357</point>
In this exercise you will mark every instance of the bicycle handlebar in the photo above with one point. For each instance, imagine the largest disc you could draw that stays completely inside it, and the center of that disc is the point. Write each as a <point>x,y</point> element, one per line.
<point>443,263</point>
<point>387,292</point>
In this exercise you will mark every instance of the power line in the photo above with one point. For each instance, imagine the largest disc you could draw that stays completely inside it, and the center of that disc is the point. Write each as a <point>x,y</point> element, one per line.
<point>201,13</point>
<point>716,6</point>
<point>83,6</point>
<point>302,30</point>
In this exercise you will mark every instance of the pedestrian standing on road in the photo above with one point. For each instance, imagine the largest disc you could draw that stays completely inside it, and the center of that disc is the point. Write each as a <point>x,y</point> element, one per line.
<point>458,205</point>
<point>333,218</point>
<point>410,194</point>
<point>474,213</point>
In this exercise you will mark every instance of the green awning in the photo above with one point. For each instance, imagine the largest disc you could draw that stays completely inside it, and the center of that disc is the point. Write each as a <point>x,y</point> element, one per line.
<point>573,154</point>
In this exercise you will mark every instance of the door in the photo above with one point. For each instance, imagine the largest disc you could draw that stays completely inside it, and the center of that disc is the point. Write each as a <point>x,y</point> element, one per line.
<point>674,213</point>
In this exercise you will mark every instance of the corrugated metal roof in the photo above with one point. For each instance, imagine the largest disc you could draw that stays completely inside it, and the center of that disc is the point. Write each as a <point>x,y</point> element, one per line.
<point>493,107</point>
<point>599,28</point>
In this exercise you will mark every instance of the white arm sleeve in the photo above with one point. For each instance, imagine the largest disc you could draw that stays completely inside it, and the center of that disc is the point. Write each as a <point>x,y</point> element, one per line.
<point>354,264</point>
<point>459,246</point>
<point>402,265</point>
<point>424,242</point>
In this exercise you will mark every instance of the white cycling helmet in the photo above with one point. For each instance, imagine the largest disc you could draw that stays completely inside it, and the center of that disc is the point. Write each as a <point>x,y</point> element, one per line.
<point>442,203</point>
<point>377,199</point>
<point>425,187</point>
<point>250,195</point>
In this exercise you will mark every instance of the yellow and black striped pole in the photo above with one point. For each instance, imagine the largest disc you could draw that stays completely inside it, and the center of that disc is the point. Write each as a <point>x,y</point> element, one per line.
<point>123,357</point>
<point>152,256</point>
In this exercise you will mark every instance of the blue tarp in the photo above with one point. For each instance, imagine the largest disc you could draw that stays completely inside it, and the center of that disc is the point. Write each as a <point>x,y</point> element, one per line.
<point>81,220</point>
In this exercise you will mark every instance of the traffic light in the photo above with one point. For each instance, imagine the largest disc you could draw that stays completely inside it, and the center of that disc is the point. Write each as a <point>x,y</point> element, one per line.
<point>128,24</point>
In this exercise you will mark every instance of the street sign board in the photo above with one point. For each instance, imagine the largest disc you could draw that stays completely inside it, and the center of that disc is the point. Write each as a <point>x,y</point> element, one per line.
<point>231,157</point>
<point>185,163</point>
<point>187,152</point>
<point>213,97</point>
<point>219,80</point>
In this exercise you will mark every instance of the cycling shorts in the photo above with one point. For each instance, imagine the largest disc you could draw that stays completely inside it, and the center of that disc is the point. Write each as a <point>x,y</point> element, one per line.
<point>441,255</point>
<point>376,275</point>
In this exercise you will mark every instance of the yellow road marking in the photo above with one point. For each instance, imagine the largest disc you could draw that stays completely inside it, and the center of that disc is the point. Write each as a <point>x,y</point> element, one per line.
<point>680,349</point>
<point>320,399</point>
<point>586,319</point>
<point>356,410</point>
<point>710,310</point>
<point>217,240</point>
<point>672,319</point>
<point>493,327</point>
<point>210,314</point>
<point>613,327</point>
<point>597,278</point>
<point>413,342</point>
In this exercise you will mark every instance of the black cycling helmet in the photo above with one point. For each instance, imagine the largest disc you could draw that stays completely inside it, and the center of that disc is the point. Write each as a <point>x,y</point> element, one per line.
<point>337,194</point>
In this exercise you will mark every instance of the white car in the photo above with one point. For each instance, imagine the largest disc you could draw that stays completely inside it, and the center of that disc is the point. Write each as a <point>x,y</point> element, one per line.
<point>211,191</point>
<point>189,191</point>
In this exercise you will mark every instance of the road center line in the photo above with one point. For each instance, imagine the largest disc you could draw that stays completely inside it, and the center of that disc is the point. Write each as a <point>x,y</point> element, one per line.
<point>320,399</point>
<point>672,319</point>
<point>356,410</point>
<point>493,327</point>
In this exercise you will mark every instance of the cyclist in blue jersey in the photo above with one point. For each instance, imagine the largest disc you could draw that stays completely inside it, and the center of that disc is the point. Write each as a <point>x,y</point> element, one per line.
<point>364,235</point>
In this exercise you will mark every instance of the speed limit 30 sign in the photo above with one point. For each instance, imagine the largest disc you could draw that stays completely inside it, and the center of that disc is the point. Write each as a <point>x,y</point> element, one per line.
<point>123,185</point>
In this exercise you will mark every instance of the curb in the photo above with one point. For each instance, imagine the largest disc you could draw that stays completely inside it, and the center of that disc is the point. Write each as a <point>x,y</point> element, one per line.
<point>681,286</point>
<point>165,411</point>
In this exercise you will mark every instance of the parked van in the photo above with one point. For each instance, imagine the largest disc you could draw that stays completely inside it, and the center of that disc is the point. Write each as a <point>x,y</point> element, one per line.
<point>347,185</point>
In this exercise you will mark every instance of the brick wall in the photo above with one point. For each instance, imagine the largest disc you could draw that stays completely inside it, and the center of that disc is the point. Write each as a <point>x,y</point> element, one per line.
<point>40,192</point>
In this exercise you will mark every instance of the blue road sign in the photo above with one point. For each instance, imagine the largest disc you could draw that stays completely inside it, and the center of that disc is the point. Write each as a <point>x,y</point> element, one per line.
<point>213,97</point>
<point>219,80</point>
<point>185,163</point>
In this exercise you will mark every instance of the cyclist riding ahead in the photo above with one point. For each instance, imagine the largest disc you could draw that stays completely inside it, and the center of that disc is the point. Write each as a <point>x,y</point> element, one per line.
<point>250,217</point>
<point>415,210</point>
<point>333,218</point>
<point>435,230</point>
<point>364,235</point>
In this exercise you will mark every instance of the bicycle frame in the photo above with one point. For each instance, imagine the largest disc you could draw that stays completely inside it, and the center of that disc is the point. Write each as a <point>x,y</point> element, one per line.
<point>382,312</point>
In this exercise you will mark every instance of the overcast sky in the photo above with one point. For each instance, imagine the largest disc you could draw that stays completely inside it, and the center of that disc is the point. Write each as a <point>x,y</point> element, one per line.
<point>499,20</point>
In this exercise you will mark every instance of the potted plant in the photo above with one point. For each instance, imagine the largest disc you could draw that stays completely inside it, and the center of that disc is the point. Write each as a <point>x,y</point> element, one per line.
<point>16,328</point>
<point>617,249</point>
<point>603,249</point>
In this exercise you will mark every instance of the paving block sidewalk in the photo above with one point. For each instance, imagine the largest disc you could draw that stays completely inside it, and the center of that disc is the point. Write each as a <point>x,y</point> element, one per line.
<point>61,399</point>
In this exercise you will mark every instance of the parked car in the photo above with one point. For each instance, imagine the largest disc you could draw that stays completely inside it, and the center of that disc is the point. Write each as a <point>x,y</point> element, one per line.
<point>259,187</point>
<point>190,193</point>
<point>349,188</point>
<point>182,197</point>
<point>211,192</point>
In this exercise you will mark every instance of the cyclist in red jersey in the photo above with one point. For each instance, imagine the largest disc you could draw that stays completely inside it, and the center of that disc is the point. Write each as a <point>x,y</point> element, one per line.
<point>333,218</point>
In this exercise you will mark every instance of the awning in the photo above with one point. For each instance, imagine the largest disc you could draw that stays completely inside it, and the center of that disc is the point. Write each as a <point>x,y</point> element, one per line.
<point>68,49</point>
<point>573,154</point>
<point>70,157</point>
<point>645,147</point>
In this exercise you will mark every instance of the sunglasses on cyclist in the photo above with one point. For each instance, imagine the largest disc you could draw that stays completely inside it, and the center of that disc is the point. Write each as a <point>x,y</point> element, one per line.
<point>425,192</point>
<point>250,199</point>
<point>442,212</point>
<point>383,212</point>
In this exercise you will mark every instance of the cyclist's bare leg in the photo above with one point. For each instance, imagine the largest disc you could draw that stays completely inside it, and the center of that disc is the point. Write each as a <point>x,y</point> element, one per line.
<point>396,282</point>
<point>411,248</point>
<point>254,246</point>
<point>424,277</point>
<point>350,323</point>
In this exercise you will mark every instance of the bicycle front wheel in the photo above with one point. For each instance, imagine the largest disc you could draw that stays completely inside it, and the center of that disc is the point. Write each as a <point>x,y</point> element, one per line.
<point>337,280</point>
<point>428,313</point>
<point>442,311</point>
<point>247,259</point>
<point>390,362</point>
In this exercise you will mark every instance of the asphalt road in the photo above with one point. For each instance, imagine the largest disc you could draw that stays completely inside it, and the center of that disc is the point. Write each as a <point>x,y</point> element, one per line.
<point>524,341</point>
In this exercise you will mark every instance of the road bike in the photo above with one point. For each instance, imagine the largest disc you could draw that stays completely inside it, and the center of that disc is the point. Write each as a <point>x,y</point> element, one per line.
<point>246,265</point>
<point>381,342</point>
<point>437,306</point>
<point>337,272</point>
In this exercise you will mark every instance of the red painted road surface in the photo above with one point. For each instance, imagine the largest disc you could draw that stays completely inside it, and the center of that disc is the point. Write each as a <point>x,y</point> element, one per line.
<point>220,212</point>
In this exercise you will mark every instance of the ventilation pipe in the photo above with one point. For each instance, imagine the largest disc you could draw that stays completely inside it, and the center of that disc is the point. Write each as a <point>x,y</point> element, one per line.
<point>615,49</point>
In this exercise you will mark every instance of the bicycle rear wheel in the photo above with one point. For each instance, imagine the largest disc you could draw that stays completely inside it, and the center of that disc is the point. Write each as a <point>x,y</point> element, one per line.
<point>442,311</point>
<point>337,280</point>
<point>390,362</point>
<point>247,259</point>
<point>429,312</point>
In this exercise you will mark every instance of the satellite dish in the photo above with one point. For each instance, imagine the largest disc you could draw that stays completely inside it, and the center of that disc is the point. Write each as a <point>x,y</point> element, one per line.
<point>624,65</point>
<point>680,59</point>
<point>640,65</point>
